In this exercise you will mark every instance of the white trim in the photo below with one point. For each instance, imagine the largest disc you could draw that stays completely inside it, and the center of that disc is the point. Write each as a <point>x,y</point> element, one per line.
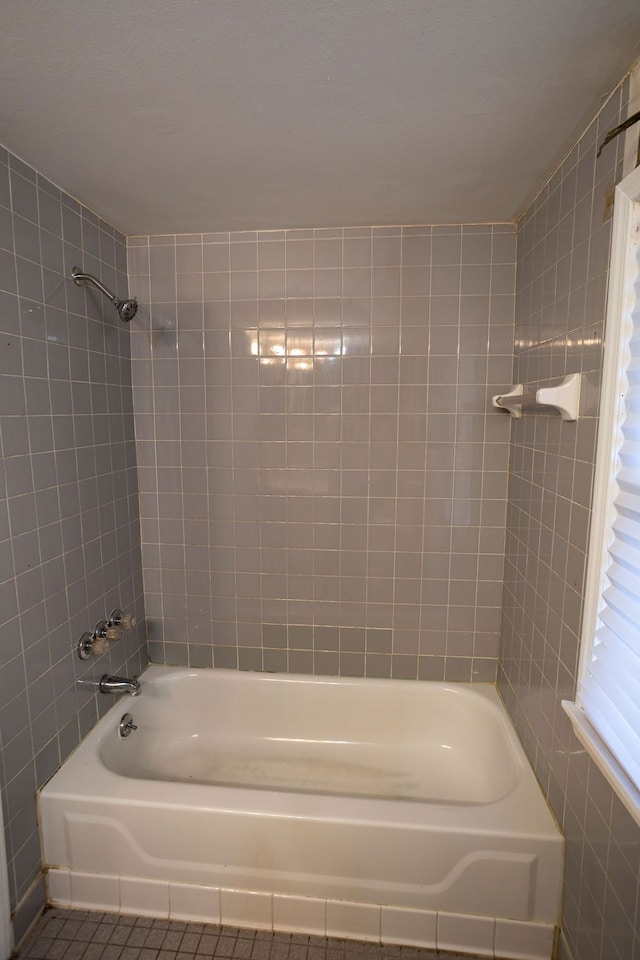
<point>620,303</point>
<point>603,759</point>
<point>627,193</point>
<point>630,158</point>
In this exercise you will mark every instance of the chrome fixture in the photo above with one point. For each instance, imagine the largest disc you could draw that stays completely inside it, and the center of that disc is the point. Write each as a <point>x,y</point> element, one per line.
<point>126,725</point>
<point>85,646</point>
<point>117,685</point>
<point>127,309</point>
<point>97,643</point>
<point>105,630</point>
<point>125,621</point>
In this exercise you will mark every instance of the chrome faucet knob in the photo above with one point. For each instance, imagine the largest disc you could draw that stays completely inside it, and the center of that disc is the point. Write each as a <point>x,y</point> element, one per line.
<point>126,725</point>
<point>101,638</point>
<point>126,621</point>
<point>85,645</point>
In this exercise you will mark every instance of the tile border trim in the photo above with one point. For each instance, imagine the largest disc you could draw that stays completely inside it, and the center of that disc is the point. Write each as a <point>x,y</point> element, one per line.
<point>494,937</point>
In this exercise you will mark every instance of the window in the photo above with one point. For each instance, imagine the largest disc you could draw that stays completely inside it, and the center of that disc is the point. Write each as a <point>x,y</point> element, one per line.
<point>606,714</point>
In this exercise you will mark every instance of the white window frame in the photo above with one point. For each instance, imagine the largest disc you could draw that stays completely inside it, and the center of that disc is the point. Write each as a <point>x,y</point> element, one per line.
<point>620,303</point>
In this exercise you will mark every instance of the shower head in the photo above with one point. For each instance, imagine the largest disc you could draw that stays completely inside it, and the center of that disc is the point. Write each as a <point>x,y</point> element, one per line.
<point>127,309</point>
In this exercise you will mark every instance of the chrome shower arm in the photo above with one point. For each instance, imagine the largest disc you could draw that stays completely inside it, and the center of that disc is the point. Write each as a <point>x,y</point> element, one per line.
<point>81,278</point>
<point>126,308</point>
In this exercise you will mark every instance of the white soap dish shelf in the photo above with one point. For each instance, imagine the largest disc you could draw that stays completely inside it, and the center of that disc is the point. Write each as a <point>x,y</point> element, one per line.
<point>564,397</point>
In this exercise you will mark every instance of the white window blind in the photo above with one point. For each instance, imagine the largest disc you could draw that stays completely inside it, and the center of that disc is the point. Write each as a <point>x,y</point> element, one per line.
<point>606,714</point>
<point>610,686</point>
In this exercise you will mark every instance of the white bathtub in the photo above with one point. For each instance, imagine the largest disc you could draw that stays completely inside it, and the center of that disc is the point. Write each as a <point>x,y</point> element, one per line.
<point>386,810</point>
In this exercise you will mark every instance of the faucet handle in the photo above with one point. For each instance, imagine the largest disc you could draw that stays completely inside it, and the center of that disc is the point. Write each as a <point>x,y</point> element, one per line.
<point>100,645</point>
<point>84,646</point>
<point>95,643</point>
<point>125,621</point>
<point>126,725</point>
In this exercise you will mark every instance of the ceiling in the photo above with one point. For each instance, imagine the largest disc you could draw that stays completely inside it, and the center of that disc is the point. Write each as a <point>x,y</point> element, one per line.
<point>205,115</point>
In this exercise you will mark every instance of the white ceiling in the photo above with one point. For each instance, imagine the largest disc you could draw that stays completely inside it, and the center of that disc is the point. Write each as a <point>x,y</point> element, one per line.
<point>204,115</point>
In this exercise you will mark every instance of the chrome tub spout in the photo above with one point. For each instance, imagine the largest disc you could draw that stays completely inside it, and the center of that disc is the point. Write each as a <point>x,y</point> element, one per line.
<point>119,685</point>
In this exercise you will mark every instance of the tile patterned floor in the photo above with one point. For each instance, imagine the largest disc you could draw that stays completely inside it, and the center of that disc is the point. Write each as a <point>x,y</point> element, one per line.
<point>83,935</point>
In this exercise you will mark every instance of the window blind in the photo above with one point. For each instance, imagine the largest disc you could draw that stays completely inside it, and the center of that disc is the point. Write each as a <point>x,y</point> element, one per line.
<point>609,689</point>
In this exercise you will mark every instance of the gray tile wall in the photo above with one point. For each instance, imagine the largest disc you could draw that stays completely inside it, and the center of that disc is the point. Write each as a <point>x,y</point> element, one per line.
<point>322,477</point>
<point>563,250</point>
<point>69,535</point>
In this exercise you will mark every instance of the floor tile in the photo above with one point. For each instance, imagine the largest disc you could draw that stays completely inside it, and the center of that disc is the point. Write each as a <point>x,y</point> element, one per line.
<point>63,934</point>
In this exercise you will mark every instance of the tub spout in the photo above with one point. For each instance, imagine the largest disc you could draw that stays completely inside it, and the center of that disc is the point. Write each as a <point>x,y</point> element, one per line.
<point>119,685</point>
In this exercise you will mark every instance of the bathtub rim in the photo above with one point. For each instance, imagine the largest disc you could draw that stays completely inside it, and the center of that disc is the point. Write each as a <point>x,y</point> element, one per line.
<point>533,815</point>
